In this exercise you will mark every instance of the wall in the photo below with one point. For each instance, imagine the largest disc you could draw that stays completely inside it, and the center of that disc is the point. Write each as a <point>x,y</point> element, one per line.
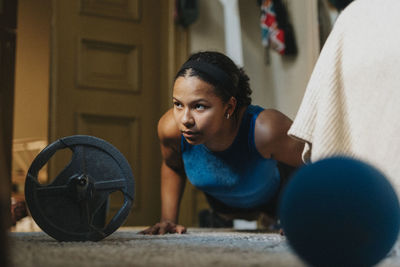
<point>280,83</point>
<point>32,69</point>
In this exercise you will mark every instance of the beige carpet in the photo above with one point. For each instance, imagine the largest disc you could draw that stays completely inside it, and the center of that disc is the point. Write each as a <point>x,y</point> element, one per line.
<point>198,247</point>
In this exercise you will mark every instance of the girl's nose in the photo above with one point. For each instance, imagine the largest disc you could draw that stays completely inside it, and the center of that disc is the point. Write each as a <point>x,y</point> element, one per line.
<point>187,119</point>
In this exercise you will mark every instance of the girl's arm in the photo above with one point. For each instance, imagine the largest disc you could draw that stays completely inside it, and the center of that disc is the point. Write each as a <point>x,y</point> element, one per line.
<point>173,178</point>
<point>272,140</point>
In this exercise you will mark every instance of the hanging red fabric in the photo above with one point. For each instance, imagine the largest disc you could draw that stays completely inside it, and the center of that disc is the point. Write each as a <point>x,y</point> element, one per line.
<point>277,32</point>
<point>272,36</point>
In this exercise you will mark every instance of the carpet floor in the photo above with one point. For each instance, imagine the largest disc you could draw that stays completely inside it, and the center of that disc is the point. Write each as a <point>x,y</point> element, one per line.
<point>199,247</point>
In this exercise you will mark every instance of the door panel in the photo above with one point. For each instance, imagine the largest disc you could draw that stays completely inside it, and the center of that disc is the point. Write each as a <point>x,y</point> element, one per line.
<point>124,133</point>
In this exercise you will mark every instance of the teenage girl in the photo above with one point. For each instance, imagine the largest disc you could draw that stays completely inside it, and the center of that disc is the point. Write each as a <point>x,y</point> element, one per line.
<point>238,154</point>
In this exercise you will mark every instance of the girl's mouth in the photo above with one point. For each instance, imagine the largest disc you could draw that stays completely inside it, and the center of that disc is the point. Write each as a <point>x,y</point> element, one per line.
<point>190,134</point>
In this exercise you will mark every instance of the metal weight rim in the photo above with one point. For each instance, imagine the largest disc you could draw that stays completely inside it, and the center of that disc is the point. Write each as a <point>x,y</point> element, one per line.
<point>67,208</point>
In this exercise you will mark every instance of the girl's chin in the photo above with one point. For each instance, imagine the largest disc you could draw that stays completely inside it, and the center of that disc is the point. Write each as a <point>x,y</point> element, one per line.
<point>193,140</point>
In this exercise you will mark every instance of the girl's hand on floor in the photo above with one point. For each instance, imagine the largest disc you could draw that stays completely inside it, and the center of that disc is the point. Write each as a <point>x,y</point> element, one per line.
<point>164,227</point>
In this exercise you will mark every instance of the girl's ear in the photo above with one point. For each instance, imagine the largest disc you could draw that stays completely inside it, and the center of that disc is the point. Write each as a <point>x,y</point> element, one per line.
<point>230,106</point>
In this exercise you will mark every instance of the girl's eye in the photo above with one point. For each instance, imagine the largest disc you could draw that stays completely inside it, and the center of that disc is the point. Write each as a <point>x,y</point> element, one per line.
<point>200,107</point>
<point>177,104</point>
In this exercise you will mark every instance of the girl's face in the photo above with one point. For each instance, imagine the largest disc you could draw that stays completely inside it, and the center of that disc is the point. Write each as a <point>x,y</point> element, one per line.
<point>198,111</point>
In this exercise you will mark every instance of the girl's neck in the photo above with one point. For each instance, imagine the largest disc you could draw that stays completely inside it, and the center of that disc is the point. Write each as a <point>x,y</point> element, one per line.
<point>228,133</point>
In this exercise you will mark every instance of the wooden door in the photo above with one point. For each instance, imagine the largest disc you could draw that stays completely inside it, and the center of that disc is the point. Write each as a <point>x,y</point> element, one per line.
<point>110,79</point>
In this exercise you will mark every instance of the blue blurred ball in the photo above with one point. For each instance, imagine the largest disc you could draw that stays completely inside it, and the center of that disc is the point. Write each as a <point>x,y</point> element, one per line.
<point>340,212</point>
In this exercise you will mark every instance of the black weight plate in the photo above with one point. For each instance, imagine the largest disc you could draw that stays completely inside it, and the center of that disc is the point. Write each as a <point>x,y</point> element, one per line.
<point>73,206</point>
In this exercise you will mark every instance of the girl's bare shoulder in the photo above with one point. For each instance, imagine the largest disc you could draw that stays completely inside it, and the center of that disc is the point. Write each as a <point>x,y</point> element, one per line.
<point>271,122</point>
<point>168,131</point>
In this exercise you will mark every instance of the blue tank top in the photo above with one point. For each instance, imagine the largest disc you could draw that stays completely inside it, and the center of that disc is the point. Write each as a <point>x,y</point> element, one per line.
<point>238,176</point>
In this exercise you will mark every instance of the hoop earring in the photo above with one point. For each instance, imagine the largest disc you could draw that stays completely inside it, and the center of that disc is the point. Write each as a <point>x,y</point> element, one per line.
<point>227,116</point>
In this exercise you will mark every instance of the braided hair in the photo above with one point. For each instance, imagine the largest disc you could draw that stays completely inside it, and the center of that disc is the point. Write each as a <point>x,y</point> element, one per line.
<point>214,67</point>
